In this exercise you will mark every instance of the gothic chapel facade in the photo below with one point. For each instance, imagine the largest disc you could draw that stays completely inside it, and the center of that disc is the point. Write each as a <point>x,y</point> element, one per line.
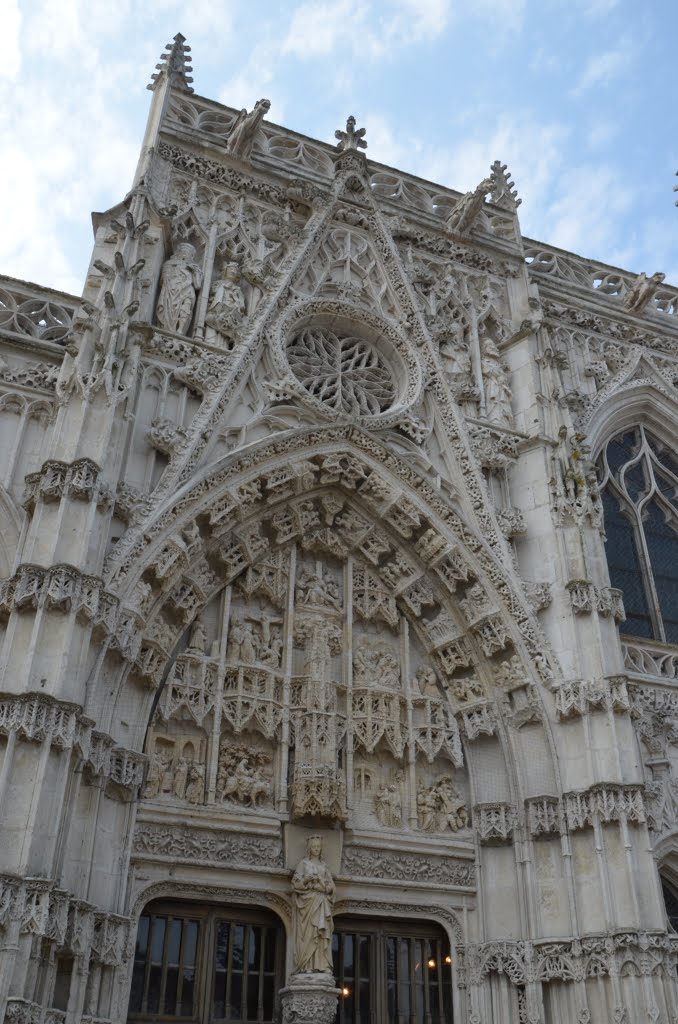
<point>338,604</point>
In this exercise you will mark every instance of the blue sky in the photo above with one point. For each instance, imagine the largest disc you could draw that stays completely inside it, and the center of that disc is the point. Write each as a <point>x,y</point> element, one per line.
<point>576,96</point>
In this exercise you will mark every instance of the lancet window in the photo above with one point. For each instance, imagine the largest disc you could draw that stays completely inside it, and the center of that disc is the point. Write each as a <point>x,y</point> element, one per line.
<point>640,497</point>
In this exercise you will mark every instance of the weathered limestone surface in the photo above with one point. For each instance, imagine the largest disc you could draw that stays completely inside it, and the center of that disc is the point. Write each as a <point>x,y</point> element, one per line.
<point>300,530</point>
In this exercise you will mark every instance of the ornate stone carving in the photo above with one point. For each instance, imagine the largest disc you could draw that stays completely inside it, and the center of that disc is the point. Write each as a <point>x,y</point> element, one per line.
<point>182,843</point>
<point>363,862</point>
<point>642,291</point>
<point>245,128</point>
<point>244,776</point>
<point>180,282</point>
<point>440,807</point>
<point>467,209</point>
<point>494,823</point>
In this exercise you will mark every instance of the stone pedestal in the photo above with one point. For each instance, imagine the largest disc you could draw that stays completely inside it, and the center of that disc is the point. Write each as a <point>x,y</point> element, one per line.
<point>310,999</point>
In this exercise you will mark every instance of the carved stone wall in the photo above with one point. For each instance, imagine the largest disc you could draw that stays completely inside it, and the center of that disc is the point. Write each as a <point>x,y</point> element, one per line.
<point>300,530</point>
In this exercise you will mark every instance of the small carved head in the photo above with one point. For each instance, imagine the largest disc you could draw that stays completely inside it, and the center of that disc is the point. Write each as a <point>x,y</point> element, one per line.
<point>185,250</point>
<point>314,846</point>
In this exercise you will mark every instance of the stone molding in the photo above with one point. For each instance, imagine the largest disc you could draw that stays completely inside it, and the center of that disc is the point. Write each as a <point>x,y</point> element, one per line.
<point>55,480</point>
<point>389,865</point>
<point>38,718</point>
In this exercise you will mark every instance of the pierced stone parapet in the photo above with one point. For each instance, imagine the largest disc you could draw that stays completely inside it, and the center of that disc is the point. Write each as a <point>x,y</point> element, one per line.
<point>648,659</point>
<point>604,803</point>
<point>585,598</point>
<point>544,816</point>
<point>494,823</point>
<point>60,588</point>
<point>42,909</point>
<point>80,479</point>
<point>39,718</point>
<point>523,962</point>
<point>581,696</point>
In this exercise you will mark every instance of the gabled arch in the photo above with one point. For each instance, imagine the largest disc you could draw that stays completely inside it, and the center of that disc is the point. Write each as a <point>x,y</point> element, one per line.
<point>629,401</point>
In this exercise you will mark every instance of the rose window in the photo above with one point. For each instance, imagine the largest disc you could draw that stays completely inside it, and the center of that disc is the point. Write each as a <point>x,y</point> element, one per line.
<point>347,374</point>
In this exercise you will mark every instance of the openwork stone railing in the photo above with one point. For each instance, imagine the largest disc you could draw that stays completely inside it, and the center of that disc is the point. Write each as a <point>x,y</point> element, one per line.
<point>647,659</point>
<point>34,313</point>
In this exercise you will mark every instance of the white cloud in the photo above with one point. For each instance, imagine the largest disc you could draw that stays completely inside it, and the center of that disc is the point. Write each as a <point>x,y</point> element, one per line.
<point>603,67</point>
<point>11,48</point>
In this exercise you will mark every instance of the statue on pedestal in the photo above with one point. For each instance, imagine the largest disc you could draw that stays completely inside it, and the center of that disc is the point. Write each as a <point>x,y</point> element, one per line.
<point>313,888</point>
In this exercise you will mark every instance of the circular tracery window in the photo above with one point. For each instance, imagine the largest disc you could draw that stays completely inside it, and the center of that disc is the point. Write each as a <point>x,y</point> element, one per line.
<point>345,373</point>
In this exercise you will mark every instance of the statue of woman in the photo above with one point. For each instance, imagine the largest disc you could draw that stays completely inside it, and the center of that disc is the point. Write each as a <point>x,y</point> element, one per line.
<point>226,308</point>
<point>496,385</point>
<point>313,888</point>
<point>180,280</point>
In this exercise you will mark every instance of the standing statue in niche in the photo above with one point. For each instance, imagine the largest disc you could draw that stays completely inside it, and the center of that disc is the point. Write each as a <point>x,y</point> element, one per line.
<point>226,307</point>
<point>245,128</point>
<point>313,888</point>
<point>495,382</point>
<point>198,640</point>
<point>180,281</point>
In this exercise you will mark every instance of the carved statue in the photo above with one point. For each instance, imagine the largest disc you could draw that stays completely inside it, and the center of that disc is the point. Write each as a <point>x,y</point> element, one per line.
<point>156,775</point>
<point>180,282</point>
<point>180,778</point>
<point>313,888</point>
<point>467,208</point>
<point>226,307</point>
<point>245,128</point>
<point>495,381</point>
<point>195,787</point>
<point>243,643</point>
<point>388,805</point>
<point>198,639</point>
<point>427,682</point>
<point>642,292</point>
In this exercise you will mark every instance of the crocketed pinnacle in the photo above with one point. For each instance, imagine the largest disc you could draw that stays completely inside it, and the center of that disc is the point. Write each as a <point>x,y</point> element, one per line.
<point>176,64</point>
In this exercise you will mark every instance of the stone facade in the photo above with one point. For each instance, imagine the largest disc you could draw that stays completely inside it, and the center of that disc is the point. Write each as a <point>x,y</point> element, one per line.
<point>300,531</point>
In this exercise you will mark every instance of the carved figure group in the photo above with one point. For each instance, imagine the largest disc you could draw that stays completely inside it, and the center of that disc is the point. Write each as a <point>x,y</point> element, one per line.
<point>440,807</point>
<point>318,588</point>
<point>427,681</point>
<point>388,805</point>
<point>241,777</point>
<point>182,777</point>
<point>375,668</point>
<point>180,281</point>
<point>313,891</point>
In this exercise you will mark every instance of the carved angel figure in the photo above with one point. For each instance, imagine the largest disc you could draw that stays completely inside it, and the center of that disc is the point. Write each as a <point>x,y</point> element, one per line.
<point>495,382</point>
<point>313,888</point>
<point>245,128</point>
<point>180,281</point>
<point>226,308</point>
<point>642,291</point>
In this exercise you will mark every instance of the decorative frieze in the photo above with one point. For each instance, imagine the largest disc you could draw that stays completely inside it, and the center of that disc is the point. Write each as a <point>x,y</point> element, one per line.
<point>191,845</point>
<point>544,816</point>
<point>364,862</point>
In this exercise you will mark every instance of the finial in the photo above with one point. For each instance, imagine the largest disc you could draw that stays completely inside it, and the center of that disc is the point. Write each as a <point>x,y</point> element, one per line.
<point>176,64</point>
<point>503,191</point>
<point>350,139</point>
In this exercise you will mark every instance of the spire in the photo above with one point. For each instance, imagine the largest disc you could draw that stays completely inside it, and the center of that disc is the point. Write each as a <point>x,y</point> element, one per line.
<point>176,63</point>
<point>503,191</point>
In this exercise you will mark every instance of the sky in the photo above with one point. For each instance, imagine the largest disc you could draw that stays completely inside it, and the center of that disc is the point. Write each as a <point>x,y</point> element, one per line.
<point>578,97</point>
